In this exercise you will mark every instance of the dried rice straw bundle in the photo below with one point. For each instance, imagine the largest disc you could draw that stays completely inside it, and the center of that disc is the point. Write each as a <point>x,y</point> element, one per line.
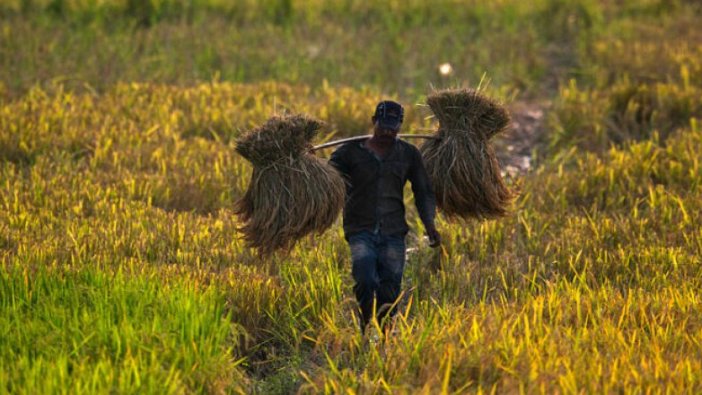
<point>461,164</point>
<point>292,193</point>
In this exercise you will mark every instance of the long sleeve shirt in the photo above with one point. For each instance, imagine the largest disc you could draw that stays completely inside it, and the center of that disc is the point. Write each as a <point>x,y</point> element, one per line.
<point>374,191</point>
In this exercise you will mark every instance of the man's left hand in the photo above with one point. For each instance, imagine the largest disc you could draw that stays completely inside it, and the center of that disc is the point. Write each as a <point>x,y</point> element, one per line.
<point>434,237</point>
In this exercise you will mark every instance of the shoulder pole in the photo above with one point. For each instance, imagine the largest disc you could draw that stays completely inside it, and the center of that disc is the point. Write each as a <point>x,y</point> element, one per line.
<point>358,138</point>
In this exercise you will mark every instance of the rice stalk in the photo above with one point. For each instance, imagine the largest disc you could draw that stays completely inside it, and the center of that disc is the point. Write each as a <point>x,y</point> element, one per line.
<point>462,164</point>
<point>292,193</point>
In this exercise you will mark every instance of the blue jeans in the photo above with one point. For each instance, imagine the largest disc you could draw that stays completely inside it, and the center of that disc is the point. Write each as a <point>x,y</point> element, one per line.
<point>377,265</point>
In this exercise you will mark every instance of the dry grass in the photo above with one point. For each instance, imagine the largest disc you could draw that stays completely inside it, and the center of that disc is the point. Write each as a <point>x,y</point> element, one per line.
<point>462,164</point>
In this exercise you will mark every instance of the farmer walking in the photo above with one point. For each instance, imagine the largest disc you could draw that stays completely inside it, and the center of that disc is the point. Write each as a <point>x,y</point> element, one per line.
<point>376,170</point>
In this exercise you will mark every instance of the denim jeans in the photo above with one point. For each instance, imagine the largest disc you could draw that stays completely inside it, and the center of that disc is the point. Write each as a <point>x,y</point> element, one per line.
<point>377,265</point>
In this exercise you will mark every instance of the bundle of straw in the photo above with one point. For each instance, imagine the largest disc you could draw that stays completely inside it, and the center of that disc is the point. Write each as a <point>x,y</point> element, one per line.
<point>292,193</point>
<point>461,163</point>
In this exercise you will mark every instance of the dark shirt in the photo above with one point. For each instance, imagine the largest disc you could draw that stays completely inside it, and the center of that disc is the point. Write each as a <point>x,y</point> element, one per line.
<point>374,198</point>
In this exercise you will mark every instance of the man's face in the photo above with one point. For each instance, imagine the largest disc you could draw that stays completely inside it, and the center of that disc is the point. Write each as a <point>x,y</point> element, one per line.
<point>384,134</point>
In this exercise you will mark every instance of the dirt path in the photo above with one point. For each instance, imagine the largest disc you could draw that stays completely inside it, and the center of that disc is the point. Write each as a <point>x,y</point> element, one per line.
<point>514,147</point>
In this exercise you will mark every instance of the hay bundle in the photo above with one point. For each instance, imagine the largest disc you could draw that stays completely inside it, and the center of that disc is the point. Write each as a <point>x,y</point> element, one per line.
<point>292,193</point>
<point>461,163</point>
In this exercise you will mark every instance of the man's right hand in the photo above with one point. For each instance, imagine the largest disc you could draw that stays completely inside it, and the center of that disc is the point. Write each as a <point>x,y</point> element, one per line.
<point>434,237</point>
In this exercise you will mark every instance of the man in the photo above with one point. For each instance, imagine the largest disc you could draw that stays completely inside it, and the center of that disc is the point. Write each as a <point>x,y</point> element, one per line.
<point>376,170</point>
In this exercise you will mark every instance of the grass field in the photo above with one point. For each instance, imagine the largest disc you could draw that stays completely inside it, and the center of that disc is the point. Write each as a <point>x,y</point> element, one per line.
<point>123,271</point>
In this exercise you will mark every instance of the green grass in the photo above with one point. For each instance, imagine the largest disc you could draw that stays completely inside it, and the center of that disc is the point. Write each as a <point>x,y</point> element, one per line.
<point>96,331</point>
<point>394,46</point>
<point>121,267</point>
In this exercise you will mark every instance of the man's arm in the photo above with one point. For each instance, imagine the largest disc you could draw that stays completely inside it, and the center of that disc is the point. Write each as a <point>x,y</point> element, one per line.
<point>424,197</point>
<point>339,161</point>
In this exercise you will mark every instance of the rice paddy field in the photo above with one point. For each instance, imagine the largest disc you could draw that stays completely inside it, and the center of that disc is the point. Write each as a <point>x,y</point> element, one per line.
<point>122,269</point>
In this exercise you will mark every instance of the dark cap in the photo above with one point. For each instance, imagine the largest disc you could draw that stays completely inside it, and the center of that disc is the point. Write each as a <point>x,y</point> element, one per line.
<point>389,115</point>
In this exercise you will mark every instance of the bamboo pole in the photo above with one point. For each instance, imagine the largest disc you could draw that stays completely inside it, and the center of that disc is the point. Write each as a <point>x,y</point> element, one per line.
<point>358,138</point>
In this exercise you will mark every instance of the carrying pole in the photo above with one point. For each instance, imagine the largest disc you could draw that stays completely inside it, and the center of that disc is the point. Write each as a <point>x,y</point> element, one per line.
<point>358,138</point>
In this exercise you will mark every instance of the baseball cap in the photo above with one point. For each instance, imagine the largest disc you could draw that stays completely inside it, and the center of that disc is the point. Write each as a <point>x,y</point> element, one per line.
<point>389,114</point>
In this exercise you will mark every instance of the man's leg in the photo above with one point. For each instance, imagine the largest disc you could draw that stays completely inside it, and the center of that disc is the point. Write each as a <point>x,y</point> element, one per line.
<point>391,264</point>
<point>364,260</point>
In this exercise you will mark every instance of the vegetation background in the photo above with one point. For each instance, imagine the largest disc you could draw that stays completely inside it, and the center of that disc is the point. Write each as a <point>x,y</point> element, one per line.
<point>121,266</point>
